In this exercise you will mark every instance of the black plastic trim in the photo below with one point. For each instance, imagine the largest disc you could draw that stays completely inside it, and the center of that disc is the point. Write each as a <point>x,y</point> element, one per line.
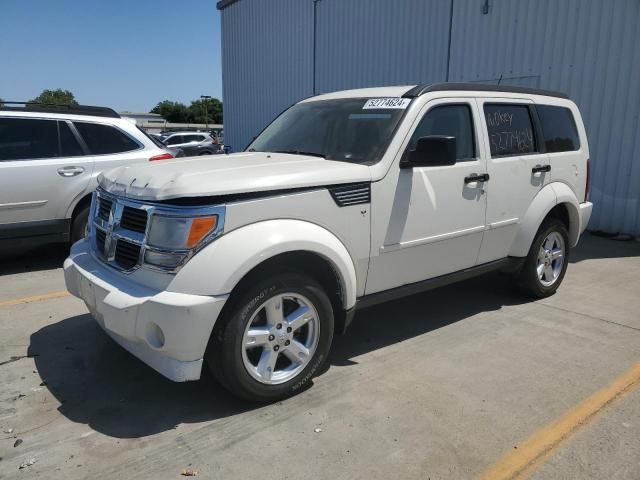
<point>238,197</point>
<point>68,109</point>
<point>510,264</point>
<point>351,194</point>
<point>349,315</point>
<point>222,4</point>
<point>55,229</point>
<point>478,87</point>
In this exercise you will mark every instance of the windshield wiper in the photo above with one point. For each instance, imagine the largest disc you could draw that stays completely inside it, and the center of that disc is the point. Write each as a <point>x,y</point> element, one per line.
<point>300,152</point>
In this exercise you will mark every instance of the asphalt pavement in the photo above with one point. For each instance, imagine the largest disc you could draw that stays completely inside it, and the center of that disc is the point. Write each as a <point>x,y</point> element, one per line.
<point>467,381</point>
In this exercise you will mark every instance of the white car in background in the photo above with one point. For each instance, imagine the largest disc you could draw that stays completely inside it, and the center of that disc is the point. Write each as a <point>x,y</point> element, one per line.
<point>50,158</point>
<point>248,264</point>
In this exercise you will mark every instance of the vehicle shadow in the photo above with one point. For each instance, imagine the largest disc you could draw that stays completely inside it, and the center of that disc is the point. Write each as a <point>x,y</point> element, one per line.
<point>16,257</point>
<point>592,246</point>
<point>99,384</point>
<point>393,322</point>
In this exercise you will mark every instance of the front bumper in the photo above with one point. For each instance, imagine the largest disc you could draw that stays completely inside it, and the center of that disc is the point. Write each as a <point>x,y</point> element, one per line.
<point>168,331</point>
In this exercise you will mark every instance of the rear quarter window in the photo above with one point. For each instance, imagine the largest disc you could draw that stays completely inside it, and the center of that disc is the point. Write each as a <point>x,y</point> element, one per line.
<point>558,129</point>
<point>510,129</point>
<point>105,139</point>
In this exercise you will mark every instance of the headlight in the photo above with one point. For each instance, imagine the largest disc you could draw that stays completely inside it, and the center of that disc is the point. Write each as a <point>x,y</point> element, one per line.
<point>172,239</point>
<point>179,233</point>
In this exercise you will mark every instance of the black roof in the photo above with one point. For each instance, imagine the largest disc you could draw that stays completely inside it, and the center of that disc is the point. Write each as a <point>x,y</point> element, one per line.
<point>50,108</point>
<point>224,3</point>
<point>478,87</point>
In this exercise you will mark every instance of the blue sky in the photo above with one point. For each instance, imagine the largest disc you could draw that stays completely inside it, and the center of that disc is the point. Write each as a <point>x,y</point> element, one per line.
<point>125,54</point>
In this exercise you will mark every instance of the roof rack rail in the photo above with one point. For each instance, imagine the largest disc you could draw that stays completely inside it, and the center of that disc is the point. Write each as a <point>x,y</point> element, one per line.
<point>52,108</point>
<point>478,87</point>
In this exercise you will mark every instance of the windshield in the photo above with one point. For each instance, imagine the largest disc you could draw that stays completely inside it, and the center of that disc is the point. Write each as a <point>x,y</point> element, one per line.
<point>348,130</point>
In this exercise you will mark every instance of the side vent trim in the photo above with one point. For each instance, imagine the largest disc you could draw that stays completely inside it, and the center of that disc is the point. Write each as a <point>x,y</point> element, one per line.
<point>353,194</point>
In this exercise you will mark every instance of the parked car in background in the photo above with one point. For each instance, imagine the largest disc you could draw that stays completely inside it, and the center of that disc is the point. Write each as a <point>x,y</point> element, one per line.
<point>157,140</point>
<point>193,143</point>
<point>249,264</point>
<point>50,158</point>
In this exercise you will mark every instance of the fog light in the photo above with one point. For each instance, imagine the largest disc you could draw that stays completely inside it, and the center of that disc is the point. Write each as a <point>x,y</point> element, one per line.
<point>164,260</point>
<point>155,336</point>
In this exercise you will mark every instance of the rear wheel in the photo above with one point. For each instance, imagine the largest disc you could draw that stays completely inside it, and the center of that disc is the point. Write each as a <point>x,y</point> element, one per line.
<point>274,338</point>
<point>546,263</point>
<point>79,224</point>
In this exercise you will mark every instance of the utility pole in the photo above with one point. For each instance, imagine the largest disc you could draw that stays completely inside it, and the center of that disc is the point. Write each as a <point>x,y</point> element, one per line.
<point>204,99</point>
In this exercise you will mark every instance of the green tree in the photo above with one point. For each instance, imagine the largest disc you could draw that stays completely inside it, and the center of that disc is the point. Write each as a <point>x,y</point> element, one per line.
<point>212,107</point>
<point>56,97</point>
<point>174,112</point>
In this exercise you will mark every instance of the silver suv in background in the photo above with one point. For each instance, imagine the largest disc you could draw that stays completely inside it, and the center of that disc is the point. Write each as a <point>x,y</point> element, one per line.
<point>193,143</point>
<point>50,157</point>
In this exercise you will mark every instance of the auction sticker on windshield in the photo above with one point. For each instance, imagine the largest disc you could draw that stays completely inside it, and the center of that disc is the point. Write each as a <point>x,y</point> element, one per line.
<point>400,103</point>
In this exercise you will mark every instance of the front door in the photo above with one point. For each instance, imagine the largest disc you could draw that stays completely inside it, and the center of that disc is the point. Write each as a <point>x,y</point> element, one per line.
<point>429,221</point>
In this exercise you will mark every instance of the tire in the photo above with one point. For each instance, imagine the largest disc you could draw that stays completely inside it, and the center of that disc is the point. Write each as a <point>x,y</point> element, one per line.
<point>79,224</point>
<point>205,153</point>
<point>244,370</point>
<point>543,272</point>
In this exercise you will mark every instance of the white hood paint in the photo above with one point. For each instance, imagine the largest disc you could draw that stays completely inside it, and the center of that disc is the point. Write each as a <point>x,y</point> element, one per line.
<point>229,174</point>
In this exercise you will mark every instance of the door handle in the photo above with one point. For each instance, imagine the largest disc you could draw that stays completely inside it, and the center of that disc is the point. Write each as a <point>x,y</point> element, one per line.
<point>541,168</point>
<point>70,171</point>
<point>474,177</point>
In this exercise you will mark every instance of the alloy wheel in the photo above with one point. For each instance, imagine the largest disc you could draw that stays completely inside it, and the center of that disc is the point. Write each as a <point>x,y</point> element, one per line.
<point>281,338</point>
<point>551,258</point>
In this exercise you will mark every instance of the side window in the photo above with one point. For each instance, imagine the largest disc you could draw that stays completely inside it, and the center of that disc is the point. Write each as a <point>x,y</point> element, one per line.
<point>175,140</point>
<point>451,120</point>
<point>559,129</point>
<point>69,146</point>
<point>510,129</point>
<point>26,138</point>
<point>104,139</point>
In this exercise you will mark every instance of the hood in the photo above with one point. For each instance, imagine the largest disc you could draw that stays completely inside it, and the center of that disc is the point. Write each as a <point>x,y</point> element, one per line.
<point>229,174</point>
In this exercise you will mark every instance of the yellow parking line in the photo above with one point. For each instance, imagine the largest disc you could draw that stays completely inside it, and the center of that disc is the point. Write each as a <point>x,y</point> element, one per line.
<point>35,298</point>
<point>520,462</point>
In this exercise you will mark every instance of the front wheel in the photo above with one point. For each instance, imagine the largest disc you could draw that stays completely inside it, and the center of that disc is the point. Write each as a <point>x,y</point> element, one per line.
<point>273,340</point>
<point>546,263</point>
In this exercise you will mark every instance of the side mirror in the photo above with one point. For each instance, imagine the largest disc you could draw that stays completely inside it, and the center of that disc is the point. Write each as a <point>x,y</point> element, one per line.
<point>431,151</point>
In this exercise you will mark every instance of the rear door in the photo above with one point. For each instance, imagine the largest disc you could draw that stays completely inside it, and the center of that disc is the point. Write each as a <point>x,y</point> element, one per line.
<point>110,147</point>
<point>43,167</point>
<point>517,167</point>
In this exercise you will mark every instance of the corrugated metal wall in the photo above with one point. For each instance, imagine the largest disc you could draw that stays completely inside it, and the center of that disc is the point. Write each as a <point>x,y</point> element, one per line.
<point>279,51</point>
<point>587,48</point>
<point>358,43</point>
<point>267,63</point>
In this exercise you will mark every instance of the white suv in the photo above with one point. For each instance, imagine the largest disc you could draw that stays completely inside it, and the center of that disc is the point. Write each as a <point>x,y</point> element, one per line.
<point>50,158</point>
<point>250,264</point>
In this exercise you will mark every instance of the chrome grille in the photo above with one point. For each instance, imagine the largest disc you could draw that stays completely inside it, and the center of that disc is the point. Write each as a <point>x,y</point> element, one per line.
<point>134,219</point>
<point>101,236</point>
<point>119,227</point>
<point>127,254</point>
<point>104,208</point>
